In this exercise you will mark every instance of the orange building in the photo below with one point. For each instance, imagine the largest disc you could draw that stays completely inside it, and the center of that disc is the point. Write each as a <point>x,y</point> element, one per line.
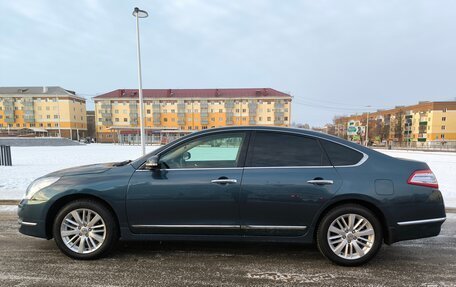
<point>431,122</point>
<point>49,111</point>
<point>185,110</point>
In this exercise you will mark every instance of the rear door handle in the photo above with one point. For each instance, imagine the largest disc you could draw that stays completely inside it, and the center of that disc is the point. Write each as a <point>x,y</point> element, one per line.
<point>320,181</point>
<point>224,181</point>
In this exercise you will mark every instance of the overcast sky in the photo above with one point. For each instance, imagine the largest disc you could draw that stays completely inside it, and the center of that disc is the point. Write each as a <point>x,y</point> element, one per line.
<point>333,57</point>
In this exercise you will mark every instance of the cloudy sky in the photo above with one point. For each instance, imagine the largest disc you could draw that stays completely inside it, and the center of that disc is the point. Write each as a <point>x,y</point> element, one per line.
<point>334,57</point>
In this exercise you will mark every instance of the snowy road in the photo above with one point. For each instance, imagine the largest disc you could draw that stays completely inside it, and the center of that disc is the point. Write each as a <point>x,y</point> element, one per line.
<point>28,261</point>
<point>30,163</point>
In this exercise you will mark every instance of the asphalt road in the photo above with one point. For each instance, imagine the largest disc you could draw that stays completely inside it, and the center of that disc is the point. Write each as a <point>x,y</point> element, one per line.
<point>26,261</point>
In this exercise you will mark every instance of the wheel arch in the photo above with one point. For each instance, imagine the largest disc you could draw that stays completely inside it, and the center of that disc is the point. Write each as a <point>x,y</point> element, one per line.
<point>61,202</point>
<point>362,202</point>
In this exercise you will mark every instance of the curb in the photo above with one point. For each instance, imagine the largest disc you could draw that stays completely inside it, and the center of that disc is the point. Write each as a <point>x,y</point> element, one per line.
<point>16,202</point>
<point>9,202</point>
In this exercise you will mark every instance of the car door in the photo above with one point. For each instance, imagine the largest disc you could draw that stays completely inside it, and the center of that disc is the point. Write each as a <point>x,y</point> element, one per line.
<point>195,189</point>
<point>287,178</point>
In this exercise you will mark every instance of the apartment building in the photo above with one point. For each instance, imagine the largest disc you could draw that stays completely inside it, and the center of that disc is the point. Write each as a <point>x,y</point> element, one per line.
<point>425,122</point>
<point>180,111</point>
<point>44,111</point>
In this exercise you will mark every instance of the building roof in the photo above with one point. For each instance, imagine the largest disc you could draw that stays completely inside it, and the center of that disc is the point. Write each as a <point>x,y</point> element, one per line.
<point>195,93</point>
<point>34,91</point>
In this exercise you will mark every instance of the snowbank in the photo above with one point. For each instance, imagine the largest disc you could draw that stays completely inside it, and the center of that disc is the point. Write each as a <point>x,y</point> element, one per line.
<point>30,163</point>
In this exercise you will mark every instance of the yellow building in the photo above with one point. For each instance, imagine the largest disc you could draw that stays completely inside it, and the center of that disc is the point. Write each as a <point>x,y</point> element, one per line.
<point>49,111</point>
<point>187,110</point>
<point>433,123</point>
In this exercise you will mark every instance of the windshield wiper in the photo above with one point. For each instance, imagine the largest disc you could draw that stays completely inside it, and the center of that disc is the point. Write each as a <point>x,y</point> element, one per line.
<point>122,163</point>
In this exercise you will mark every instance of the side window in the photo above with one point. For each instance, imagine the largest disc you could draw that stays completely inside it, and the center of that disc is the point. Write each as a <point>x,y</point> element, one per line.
<point>341,155</point>
<point>214,151</point>
<point>278,149</point>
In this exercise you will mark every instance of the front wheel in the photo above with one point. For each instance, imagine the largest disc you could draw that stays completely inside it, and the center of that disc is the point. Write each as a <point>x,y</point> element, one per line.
<point>85,229</point>
<point>349,235</point>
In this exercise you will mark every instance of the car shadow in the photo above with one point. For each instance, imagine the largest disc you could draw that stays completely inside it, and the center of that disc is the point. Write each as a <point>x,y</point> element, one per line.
<point>148,248</point>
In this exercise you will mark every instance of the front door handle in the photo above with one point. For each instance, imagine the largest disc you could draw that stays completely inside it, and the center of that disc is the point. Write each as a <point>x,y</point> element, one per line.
<point>224,181</point>
<point>320,181</point>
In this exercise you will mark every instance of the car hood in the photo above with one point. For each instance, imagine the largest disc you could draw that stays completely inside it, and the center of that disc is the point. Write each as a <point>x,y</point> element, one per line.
<point>85,169</point>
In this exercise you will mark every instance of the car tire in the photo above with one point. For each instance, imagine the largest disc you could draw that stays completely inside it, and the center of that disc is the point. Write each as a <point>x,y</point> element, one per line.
<point>349,235</point>
<point>85,229</point>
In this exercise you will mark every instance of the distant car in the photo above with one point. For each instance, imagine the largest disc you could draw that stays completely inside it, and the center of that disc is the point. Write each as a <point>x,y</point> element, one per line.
<point>240,184</point>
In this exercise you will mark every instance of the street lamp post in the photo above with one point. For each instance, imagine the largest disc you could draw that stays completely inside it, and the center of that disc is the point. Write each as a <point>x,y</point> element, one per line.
<point>367,127</point>
<point>140,14</point>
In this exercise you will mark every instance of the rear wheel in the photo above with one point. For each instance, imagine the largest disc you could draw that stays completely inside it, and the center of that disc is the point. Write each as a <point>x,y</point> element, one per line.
<point>85,229</point>
<point>349,235</point>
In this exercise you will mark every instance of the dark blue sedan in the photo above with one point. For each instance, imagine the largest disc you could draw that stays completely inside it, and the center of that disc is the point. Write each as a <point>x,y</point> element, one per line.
<point>240,184</point>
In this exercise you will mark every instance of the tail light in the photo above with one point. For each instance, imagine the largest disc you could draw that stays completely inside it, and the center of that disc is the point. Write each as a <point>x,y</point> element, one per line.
<point>423,178</point>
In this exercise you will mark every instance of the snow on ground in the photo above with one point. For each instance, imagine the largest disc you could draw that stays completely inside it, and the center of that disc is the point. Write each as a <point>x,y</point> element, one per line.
<point>30,163</point>
<point>443,164</point>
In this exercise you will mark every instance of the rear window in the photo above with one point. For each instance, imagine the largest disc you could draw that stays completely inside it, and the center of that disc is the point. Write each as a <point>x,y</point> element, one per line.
<point>279,149</point>
<point>341,155</point>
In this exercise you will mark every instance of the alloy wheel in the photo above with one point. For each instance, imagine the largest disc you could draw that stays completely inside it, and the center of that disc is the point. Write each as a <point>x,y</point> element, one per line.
<point>83,230</point>
<point>351,236</point>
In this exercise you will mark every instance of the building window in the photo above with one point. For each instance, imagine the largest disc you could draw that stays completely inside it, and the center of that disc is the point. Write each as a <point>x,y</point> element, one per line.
<point>125,120</point>
<point>442,136</point>
<point>116,111</point>
<point>443,127</point>
<point>443,119</point>
<point>260,119</point>
<point>165,120</point>
<point>444,110</point>
<point>269,119</point>
<point>117,119</point>
<point>48,116</point>
<point>148,112</point>
<point>220,119</point>
<point>285,118</point>
<point>221,111</point>
<point>244,110</point>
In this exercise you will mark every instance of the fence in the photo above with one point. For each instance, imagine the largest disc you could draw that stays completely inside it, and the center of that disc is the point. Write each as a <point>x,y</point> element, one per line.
<point>425,146</point>
<point>5,155</point>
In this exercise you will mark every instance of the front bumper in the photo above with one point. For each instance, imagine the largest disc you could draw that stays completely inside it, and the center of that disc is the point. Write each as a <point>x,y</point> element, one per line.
<point>32,218</point>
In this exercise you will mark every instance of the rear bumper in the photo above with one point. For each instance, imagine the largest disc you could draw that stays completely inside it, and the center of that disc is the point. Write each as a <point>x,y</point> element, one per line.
<point>408,230</point>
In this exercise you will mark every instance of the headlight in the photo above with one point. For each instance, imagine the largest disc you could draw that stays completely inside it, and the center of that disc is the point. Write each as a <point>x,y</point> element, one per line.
<point>39,184</point>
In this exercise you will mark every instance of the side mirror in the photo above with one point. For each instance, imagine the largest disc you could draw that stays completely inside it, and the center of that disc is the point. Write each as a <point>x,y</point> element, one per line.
<point>152,162</point>
<point>186,156</point>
